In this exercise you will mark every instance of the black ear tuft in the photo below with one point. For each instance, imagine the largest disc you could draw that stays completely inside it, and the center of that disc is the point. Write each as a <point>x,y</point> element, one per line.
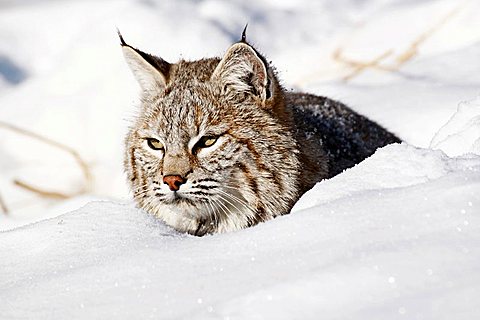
<point>244,34</point>
<point>157,62</point>
<point>151,72</point>
<point>122,42</point>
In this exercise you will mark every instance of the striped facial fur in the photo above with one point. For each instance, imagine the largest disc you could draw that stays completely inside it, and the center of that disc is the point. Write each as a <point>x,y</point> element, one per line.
<point>211,149</point>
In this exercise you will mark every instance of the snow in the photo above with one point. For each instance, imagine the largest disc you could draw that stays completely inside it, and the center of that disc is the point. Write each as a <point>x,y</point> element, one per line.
<point>393,166</point>
<point>397,236</point>
<point>461,134</point>
<point>360,255</point>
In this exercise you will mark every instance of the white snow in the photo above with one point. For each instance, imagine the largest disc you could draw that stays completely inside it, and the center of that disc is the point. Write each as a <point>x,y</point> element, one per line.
<point>397,236</point>
<point>402,250</point>
<point>461,134</point>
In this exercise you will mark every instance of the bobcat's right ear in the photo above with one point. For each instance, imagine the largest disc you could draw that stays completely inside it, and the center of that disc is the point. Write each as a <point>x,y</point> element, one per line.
<point>151,72</point>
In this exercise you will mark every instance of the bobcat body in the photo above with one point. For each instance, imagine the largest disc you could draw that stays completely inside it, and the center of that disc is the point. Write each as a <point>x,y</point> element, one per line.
<point>219,145</point>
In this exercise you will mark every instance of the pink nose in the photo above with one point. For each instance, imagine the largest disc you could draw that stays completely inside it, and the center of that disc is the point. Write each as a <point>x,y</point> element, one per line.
<point>174,182</point>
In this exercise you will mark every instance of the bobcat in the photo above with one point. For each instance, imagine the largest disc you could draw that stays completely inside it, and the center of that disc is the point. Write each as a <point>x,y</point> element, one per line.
<point>219,145</point>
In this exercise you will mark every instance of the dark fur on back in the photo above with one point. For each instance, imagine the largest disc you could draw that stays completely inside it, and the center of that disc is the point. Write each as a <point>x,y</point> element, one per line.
<point>346,137</point>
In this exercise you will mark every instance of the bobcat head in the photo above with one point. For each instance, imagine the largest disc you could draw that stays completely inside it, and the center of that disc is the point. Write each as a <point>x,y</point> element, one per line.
<point>212,149</point>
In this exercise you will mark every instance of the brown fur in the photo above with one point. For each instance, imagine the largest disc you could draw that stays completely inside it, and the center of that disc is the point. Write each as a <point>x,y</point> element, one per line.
<point>265,153</point>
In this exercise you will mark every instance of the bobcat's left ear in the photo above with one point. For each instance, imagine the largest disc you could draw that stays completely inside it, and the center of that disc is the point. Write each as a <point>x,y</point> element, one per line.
<point>150,71</point>
<point>243,71</point>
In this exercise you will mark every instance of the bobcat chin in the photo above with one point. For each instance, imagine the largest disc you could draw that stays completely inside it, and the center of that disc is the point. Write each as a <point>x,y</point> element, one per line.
<point>219,145</point>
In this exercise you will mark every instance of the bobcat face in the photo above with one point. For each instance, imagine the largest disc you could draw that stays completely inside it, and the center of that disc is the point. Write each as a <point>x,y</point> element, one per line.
<point>207,152</point>
<point>199,149</point>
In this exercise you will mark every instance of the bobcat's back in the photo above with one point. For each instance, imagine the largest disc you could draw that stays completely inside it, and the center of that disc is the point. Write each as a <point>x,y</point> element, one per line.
<point>345,136</point>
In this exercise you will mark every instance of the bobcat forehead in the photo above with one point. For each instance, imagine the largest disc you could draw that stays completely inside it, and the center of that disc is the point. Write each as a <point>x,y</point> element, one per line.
<point>186,71</point>
<point>219,145</point>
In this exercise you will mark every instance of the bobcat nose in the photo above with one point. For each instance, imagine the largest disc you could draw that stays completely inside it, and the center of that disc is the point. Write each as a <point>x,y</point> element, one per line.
<point>174,182</point>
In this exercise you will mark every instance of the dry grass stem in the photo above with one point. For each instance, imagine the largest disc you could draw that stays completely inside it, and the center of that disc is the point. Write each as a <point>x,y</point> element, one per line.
<point>358,66</point>
<point>78,159</point>
<point>43,193</point>
<point>411,51</point>
<point>3,206</point>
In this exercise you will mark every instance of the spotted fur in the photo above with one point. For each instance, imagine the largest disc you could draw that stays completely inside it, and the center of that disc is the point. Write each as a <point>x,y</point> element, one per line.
<point>271,147</point>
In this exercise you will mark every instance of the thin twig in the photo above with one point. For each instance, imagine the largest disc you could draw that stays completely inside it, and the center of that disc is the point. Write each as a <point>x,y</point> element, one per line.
<point>338,56</point>
<point>3,206</point>
<point>43,193</point>
<point>402,58</point>
<point>82,164</point>
<point>359,67</point>
<point>412,50</point>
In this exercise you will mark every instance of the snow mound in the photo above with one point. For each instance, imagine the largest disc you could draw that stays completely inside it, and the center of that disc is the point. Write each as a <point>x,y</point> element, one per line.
<point>405,246</point>
<point>400,165</point>
<point>461,134</point>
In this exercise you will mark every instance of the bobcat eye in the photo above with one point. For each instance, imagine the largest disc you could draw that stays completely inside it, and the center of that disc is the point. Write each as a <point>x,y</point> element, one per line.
<point>206,142</point>
<point>154,144</point>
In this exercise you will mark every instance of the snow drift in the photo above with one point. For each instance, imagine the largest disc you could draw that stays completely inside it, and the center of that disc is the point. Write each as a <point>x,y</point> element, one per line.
<point>461,134</point>
<point>388,245</point>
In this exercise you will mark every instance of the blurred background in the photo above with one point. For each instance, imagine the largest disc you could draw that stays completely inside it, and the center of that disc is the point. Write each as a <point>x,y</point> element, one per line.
<point>67,97</point>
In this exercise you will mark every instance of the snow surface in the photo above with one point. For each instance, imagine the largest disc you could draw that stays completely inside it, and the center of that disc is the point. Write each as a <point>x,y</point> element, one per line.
<point>384,251</point>
<point>461,134</point>
<point>397,236</point>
